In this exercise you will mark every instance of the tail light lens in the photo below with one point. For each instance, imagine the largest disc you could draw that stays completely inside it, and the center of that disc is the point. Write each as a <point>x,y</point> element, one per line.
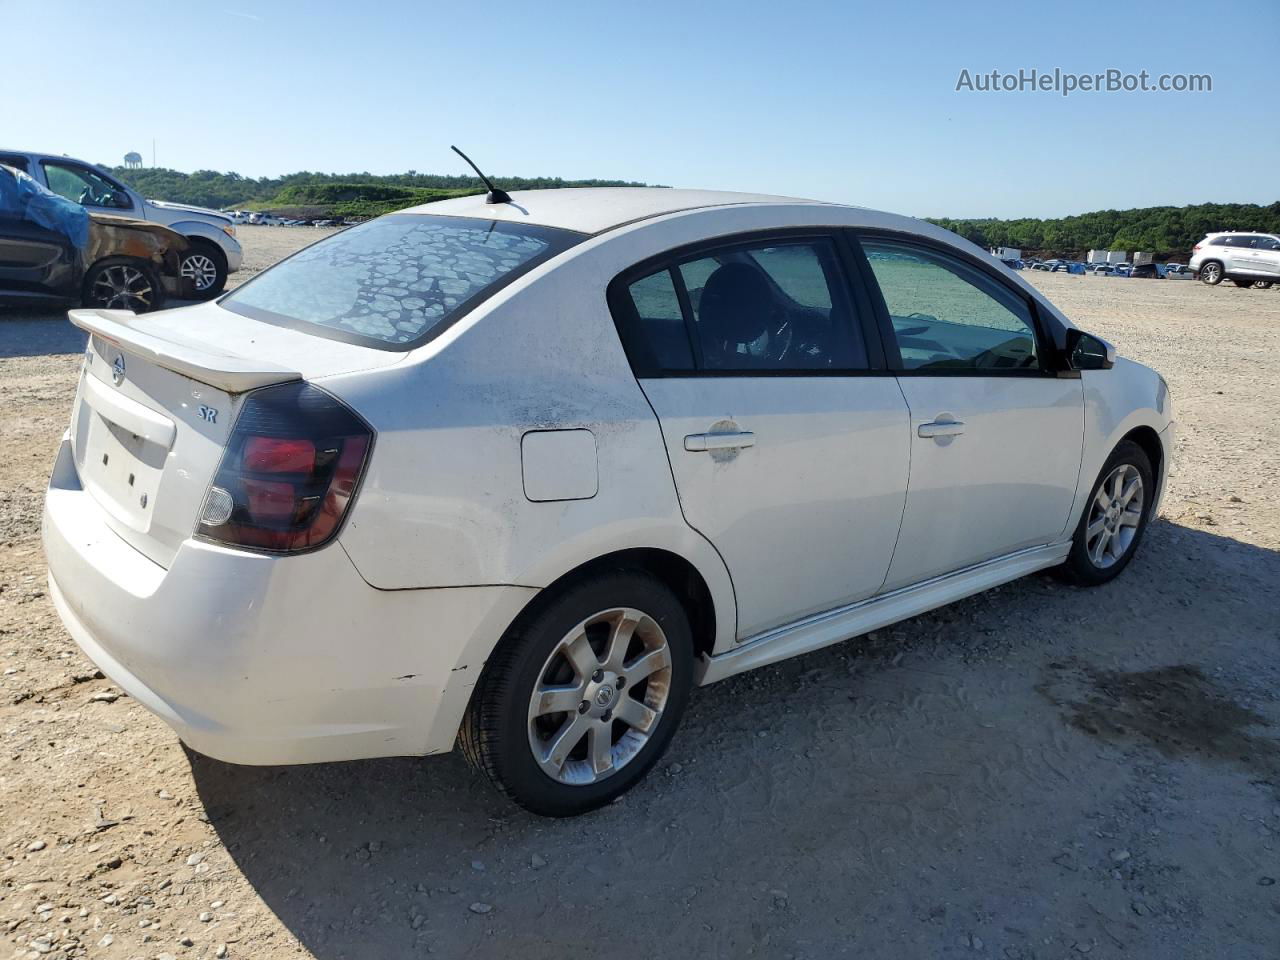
<point>290,470</point>
<point>1196,247</point>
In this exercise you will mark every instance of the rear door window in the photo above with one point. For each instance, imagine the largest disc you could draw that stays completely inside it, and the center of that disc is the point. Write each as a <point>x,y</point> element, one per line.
<point>778,307</point>
<point>664,338</point>
<point>399,280</point>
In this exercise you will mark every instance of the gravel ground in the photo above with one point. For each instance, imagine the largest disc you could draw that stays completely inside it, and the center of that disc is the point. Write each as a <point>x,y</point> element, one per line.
<point>1036,772</point>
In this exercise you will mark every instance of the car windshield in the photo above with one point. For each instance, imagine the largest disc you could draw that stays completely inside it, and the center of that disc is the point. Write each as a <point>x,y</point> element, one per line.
<point>399,280</point>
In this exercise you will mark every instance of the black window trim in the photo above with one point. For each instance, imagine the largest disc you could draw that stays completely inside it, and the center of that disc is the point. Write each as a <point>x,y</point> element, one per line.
<point>1052,362</point>
<point>627,321</point>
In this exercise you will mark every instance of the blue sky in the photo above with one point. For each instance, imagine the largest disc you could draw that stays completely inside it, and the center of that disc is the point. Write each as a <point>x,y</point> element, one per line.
<point>852,102</point>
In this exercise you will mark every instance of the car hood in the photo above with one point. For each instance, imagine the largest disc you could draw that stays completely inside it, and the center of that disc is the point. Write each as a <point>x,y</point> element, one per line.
<point>213,216</point>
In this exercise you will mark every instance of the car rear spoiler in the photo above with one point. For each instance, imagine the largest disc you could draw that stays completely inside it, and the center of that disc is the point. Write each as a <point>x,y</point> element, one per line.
<point>192,358</point>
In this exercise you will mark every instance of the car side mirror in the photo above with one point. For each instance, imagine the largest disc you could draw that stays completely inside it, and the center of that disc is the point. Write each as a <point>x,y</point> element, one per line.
<point>1087,352</point>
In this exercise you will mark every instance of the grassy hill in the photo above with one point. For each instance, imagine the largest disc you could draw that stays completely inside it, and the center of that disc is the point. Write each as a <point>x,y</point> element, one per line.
<point>323,194</point>
<point>1164,231</point>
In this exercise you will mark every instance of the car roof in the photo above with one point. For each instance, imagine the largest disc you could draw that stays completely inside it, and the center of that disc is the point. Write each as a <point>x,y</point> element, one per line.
<point>595,209</point>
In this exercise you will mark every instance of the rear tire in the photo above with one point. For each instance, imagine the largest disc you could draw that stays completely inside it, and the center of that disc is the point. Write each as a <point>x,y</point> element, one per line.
<point>1262,284</point>
<point>597,650</point>
<point>1211,273</point>
<point>1111,527</point>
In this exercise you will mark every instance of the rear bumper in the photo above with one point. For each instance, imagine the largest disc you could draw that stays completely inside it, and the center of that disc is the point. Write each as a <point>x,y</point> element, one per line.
<point>269,660</point>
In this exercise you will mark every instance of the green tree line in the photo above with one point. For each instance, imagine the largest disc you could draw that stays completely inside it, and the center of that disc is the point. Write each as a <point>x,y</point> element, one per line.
<point>338,193</point>
<point>1164,231</point>
<point>1159,230</point>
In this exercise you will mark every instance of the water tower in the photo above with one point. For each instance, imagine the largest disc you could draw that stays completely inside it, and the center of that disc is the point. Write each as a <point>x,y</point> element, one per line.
<point>133,160</point>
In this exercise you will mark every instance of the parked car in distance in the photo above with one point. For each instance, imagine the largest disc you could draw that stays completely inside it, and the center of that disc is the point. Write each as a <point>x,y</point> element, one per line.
<point>121,264</point>
<point>1123,269</point>
<point>1178,271</point>
<point>384,526</point>
<point>1101,270</point>
<point>1242,258</point>
<point>1145,271</point>
<point>1013,264</point>
<point>214,251</point>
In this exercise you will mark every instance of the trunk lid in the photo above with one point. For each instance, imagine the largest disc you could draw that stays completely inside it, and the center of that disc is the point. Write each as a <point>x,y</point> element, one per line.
<point>157,399</point>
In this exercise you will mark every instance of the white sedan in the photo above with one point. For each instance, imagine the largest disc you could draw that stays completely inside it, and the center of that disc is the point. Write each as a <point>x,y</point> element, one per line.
<point>519,475</point>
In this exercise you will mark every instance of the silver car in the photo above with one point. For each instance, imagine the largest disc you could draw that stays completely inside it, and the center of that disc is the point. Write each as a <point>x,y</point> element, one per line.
<point>215,252</point>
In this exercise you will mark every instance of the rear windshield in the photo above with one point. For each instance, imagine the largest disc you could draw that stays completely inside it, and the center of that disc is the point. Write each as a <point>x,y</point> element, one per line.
<point>399,280</point>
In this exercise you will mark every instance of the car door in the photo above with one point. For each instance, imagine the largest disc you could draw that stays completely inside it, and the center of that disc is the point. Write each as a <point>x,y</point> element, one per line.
<point>35,260</point>
<point>94,191</point>
<point>1262,258</point>
<point>996,434</point>
<point>786,436</point>
<point>1268,249</point>
<point>1239,254</point>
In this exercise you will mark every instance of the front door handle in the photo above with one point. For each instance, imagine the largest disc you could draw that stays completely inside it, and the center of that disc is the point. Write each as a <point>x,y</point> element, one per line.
<point>940,428</point>
<point>698,442</point>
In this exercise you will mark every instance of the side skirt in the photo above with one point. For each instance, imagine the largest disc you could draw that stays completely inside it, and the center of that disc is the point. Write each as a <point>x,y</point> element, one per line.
<point>823,629</point>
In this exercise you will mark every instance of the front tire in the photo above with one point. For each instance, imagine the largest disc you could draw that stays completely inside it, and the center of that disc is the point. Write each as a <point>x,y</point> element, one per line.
<point>1114,519</point>
<point>1211,273</point>
<point>204,267</point>
<point>578,704</point>
<point>120,283</point>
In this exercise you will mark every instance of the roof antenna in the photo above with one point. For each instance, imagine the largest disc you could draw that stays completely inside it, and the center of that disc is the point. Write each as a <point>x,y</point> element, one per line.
<point>495,195</point>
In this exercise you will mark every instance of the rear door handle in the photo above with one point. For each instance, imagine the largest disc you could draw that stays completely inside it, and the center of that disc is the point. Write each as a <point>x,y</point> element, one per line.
<point>940,428</point>
<point>698,442</point>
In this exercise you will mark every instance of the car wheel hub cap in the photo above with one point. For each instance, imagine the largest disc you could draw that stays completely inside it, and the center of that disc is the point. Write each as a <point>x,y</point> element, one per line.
<point>599,696</point>
<point>200,270</point>
<point>122,287</point>
<point>1115,516</point>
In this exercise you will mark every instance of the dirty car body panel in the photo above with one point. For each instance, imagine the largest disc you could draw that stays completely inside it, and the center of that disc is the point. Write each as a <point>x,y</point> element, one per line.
<point>519,444</point>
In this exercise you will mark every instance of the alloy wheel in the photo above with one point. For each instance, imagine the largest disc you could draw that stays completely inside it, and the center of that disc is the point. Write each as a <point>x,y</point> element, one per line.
<point>122,287</point>
<point>200,269</point>
<point>1210,273</point>
<point>1115,516</point>
<point>599,696</point>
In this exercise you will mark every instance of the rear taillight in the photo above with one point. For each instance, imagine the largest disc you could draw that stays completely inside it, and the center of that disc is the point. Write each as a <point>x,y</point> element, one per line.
<point>289,473</point>
<point>1196,247</point>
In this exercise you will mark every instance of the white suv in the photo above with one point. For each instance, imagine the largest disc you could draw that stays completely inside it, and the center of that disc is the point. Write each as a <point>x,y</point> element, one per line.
<point>522,474</point>
<point>1247,259</point>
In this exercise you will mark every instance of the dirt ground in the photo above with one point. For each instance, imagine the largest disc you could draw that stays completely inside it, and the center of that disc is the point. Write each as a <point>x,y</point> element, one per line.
<point>1036,772</point>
